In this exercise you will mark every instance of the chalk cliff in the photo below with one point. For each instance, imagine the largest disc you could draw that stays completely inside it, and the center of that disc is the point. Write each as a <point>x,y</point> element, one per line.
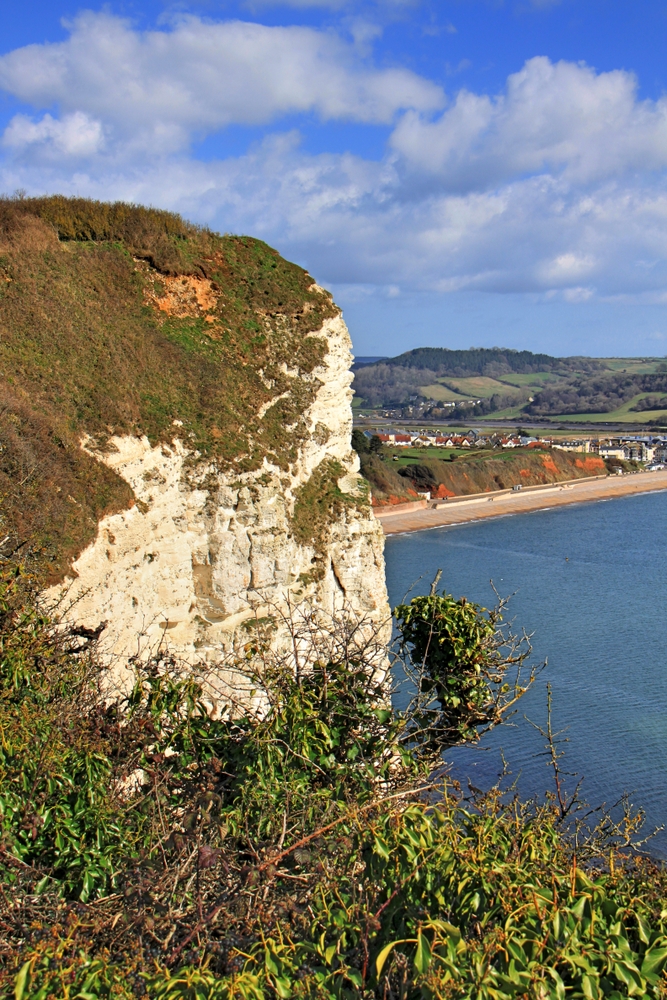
<point>201,551</point>
<point>181,403</point>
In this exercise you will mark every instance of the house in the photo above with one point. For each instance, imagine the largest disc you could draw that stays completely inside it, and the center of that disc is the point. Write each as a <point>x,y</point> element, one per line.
<point>638,451</point>
<point>611,449</point>
<point>583,445</point>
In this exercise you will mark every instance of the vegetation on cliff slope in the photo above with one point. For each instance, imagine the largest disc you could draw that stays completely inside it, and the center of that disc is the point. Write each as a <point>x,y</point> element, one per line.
<point>117,319</point>
<point>478,472</point>
<point>150,850</point>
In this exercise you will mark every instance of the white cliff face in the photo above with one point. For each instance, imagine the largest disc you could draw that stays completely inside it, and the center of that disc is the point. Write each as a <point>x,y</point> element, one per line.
<point>185,566</point>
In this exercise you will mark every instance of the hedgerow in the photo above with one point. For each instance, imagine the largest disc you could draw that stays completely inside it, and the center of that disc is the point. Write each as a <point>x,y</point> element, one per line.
<point>313,847</point>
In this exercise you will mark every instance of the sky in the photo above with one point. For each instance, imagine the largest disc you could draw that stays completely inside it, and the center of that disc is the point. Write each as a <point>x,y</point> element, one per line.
<point>458,172</point>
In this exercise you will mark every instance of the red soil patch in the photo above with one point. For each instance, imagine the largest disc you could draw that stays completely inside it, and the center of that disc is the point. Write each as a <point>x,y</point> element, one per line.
<point>442,492</point>
<point>524,472</point>
<point>550,465</point>
<point>592,463</point>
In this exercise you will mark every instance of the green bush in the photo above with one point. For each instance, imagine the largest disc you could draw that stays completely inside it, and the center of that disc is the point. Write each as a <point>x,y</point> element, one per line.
<point>151,849</point>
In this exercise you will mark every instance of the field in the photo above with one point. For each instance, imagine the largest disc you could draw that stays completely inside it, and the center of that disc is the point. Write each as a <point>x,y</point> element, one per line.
<point>408,456</point>
<point>477,387</point>
<point>537,379</point>
<point>456,390</point>
<point>635,366</point>
<point>441,393</point>
<point>621,415</point>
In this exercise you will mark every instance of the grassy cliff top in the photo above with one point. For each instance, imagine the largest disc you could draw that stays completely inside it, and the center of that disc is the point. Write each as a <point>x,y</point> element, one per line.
<point>118,319</point>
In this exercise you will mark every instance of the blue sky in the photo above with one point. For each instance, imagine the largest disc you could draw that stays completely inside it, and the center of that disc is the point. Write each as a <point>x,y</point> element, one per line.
<point>462,172</point>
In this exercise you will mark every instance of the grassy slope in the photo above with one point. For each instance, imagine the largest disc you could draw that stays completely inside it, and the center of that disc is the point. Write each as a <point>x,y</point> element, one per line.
<point>477,387</point>
<point>634,366</point>
<point>94,339</point>
<point>478,473</point>
<point>441,393</point>
<point>623,414</point>
<point>537,379</point>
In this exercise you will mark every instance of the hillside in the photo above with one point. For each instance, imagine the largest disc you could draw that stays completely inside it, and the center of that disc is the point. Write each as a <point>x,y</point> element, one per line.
<point>485,472</point>
<point>491,361</point>
<point>603,393</point>
<point>123,320</point>
<point>464,385</point>
<point>489,379</point>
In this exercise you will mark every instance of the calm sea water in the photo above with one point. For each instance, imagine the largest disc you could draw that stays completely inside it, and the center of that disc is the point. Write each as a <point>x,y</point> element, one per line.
<point>590,581</point>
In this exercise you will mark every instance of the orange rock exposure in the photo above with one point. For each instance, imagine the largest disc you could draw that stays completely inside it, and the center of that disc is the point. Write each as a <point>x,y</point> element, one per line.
<point>186,295</point>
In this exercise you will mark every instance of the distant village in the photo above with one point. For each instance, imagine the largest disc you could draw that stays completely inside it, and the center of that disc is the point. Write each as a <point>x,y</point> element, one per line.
<point>650,450</point>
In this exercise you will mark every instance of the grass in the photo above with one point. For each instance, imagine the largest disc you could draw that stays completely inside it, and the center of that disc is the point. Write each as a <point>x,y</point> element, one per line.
<point>621,415</point>
<point>441,393</point>
<point>319,504</point>
<point>538,379</point>
<point>407,456</point>
<point>634,366</point>
<point>509,413</point>
<point>86,349</point>
<point>478,386</point>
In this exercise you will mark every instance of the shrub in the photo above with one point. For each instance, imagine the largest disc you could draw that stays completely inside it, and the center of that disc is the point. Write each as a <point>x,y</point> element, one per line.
<point>302,850</point>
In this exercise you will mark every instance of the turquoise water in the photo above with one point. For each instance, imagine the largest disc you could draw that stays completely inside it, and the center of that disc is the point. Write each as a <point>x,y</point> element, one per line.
<point>590,581</point>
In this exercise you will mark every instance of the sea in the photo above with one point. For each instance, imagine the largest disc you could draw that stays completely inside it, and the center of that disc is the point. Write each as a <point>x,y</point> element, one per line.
<point>589,582</point>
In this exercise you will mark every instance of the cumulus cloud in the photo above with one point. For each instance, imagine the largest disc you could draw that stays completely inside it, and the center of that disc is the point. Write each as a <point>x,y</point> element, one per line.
<point>74,136</point>
<point>554,187</point>
<point>158,88</point>
<point>560,117</point>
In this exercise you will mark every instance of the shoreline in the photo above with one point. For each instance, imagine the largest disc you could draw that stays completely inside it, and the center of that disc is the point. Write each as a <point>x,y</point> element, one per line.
<point>556,495</point>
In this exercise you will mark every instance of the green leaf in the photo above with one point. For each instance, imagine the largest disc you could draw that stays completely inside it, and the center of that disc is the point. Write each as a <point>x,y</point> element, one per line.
<point>283,987</point>
<point>589,988</point>
<point>629,975</point>
<point>654,959</point>
<point>380,847</point>
<point>560,985</point>
<point>423,954</point>
<point>644,929</point>
<point>355,977</point>
<point>271,963</point>
<point>21,982</point>
<point>386,951</point>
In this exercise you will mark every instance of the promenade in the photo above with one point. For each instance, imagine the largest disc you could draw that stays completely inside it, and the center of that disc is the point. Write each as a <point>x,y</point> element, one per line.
<point>460,510</point>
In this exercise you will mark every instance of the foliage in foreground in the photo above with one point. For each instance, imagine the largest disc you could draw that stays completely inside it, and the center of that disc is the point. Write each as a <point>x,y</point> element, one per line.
<point>301,852</point>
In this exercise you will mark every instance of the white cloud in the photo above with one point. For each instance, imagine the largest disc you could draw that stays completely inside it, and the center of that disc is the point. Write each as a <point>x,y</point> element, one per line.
<point>555,187</point>
<point>159,88</point>
<point>75,135</point>
<point>554,117</point>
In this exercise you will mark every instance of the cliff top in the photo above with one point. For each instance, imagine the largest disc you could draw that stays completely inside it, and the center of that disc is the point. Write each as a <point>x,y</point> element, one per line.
<point>118,319</point>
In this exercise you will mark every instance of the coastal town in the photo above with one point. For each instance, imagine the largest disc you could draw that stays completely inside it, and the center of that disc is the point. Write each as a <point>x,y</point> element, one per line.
<point>650,450</point>
<point>430,477</point>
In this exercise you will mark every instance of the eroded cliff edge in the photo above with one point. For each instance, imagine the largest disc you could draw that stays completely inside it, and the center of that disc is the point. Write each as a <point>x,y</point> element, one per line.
<point>176,425</point>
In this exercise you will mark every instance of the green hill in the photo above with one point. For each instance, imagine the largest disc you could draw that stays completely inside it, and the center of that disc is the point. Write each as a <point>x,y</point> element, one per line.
<point>491,361</point>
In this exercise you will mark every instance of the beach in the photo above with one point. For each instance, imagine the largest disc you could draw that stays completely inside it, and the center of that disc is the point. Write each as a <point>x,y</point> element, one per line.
<point>459,509</point>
